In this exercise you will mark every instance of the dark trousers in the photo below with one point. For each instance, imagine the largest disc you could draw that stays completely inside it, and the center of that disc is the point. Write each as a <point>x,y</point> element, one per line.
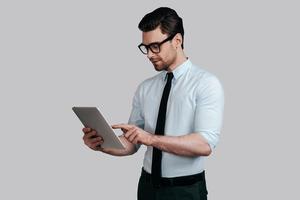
<point>190,191</point>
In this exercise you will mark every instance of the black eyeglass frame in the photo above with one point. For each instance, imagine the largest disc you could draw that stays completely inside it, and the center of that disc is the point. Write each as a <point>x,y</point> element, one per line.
<point>147,47</point>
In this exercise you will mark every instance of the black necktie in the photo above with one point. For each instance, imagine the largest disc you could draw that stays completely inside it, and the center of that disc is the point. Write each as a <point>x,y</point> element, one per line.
<point>160,130</point>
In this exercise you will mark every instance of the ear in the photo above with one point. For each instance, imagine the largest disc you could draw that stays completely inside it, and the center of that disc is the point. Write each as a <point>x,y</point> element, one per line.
<point>178,40</point>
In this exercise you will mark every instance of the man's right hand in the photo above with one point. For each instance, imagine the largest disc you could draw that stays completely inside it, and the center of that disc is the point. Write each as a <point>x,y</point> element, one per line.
<point>91,139</point>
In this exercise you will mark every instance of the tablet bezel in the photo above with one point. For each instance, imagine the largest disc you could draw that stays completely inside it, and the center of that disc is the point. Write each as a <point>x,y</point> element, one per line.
<point>91,117</point>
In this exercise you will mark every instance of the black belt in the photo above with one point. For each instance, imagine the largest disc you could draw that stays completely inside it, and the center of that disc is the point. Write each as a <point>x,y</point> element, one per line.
<point>176,181</point>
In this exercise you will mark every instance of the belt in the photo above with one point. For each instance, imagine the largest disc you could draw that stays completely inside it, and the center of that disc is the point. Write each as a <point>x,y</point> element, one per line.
<point>176,181</point>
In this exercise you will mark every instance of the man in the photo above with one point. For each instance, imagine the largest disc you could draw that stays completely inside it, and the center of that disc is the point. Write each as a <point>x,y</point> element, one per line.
<point>177,114</point>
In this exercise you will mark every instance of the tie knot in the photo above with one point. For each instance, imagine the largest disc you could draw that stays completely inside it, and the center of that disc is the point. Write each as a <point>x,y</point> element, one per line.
<point>170,76</point>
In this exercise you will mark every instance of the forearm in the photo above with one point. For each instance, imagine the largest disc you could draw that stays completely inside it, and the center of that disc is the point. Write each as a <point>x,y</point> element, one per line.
<point>188,145</point>
<point>129,149</point>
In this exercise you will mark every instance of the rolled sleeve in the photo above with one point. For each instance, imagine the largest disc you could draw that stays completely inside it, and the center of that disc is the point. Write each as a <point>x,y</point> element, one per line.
<point>209,110</point>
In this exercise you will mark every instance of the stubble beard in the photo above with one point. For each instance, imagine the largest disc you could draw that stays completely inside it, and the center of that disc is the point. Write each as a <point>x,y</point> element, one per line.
<point>160,67</point>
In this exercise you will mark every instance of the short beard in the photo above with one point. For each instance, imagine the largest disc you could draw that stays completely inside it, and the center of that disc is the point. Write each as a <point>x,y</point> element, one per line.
<point>165,67</point>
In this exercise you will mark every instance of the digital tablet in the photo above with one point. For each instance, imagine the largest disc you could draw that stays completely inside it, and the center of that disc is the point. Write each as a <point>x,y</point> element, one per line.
<point>92,118</point>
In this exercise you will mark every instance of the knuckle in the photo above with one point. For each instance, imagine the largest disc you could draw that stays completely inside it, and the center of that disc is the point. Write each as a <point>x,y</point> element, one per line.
<point>90,134</point>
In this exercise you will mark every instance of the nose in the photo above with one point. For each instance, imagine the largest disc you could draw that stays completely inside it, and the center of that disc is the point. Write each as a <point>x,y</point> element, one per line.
<point>150,54</point>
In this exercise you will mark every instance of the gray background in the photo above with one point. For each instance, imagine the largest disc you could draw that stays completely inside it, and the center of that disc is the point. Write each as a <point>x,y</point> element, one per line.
<point>57,54</point>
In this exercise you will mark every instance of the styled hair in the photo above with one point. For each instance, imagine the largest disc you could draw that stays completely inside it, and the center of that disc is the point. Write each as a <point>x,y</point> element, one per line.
<point>165,18</point>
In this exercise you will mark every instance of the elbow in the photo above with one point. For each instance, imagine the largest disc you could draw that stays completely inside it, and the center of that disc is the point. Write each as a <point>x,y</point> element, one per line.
<point>205,150</point>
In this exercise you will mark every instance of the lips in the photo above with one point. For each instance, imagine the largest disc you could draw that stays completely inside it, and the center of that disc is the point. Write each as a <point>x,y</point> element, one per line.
<point>154,61</point>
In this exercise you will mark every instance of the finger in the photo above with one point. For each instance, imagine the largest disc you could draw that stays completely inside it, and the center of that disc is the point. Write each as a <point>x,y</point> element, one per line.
<point>120,126</point>
<point>95,146</point>
<point>135,140</point>
<point>86,130</point>
<point>132,136</point>
<point>90,135</point>
<point>97,139</point>
<point>129,132</point>
<point>93,142</point>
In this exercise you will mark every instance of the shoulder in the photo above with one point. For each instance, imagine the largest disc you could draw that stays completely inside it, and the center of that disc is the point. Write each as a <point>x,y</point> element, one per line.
<point>146,84</point>
<point>204,79</point>
<point>150,81</point>
<point>201,73</point>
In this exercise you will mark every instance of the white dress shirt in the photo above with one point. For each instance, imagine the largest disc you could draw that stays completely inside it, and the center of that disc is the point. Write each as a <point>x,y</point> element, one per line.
<point>195,105</point>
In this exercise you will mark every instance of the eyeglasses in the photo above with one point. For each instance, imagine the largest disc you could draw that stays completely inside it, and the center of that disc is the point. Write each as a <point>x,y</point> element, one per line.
<point>155,46</point>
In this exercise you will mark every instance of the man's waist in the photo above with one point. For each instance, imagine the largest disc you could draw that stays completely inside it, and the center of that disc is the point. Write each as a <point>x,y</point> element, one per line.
<point>176,181</point>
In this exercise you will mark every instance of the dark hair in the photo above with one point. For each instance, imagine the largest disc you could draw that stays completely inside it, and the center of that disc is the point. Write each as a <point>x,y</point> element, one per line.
<point>166,18</point>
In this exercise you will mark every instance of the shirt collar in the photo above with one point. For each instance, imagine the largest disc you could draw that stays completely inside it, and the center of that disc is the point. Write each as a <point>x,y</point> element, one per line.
<point>178,71</point>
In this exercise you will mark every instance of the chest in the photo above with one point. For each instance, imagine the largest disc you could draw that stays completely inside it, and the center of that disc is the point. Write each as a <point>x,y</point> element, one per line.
<point>182,98</point>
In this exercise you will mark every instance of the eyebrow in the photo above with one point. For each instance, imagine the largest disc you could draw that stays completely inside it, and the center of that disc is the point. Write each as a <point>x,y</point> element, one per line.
<point>150,43</point>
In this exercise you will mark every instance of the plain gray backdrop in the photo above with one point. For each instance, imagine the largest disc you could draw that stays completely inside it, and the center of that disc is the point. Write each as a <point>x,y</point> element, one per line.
<point>58,54</point>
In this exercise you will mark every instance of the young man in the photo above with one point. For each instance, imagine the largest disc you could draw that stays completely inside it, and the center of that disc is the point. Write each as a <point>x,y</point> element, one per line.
<point>177,114</point>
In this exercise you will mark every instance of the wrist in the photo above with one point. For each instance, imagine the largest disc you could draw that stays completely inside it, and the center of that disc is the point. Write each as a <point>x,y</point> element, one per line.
<point>153,140</point>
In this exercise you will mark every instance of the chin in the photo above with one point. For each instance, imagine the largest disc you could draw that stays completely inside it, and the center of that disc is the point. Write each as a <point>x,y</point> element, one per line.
<point>159,67</point>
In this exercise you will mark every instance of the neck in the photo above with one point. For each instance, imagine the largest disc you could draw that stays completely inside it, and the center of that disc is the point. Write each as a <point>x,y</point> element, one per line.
<point>180,58</point>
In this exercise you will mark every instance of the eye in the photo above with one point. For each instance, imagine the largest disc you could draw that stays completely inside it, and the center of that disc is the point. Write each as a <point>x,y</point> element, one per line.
<point>155,47</point>
<point>143,48</point>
